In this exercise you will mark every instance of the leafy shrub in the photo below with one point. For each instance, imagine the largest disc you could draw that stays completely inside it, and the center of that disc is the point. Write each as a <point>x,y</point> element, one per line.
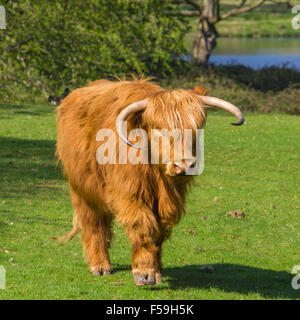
<point>265,79</point>
<point>235,84</point>
<point>48,46</point>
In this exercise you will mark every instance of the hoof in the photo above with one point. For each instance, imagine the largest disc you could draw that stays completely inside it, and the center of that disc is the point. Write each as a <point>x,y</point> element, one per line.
<point>99,270</point>
<point>144,277</point>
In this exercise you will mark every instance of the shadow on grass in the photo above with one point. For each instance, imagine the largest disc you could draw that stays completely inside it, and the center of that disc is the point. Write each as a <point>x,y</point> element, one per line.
<point>233,278</point>
<point>11,110</point>
<point>121,267</point>
<point>25,165</point>
<point>226,277</point>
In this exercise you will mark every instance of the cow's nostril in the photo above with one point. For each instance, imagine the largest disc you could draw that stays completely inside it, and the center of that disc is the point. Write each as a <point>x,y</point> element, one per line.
<point>177,168</point>
<point>192,165</point>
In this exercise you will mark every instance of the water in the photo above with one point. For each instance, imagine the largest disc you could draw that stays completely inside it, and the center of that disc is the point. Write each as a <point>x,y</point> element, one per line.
<point>259,52</point>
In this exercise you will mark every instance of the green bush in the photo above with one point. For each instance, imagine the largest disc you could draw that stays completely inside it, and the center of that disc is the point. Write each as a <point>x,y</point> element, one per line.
<point>48,46</point>
<point>266,79</point>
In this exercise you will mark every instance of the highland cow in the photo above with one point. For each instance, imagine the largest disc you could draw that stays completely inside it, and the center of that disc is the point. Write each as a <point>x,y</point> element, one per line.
<point>146,199</point>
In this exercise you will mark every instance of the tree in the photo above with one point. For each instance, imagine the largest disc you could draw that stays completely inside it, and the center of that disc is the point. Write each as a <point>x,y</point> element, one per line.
<point>208,15</point>
<point>50,45</point>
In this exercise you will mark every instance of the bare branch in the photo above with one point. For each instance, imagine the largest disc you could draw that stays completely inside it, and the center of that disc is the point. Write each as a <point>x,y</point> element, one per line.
<point>184,13</point>
<point>194,4</point>
<point>242,9</point>
<point>242,3</point>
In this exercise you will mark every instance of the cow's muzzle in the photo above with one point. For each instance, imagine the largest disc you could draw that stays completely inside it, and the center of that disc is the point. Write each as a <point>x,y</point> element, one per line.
<point>181,168</point>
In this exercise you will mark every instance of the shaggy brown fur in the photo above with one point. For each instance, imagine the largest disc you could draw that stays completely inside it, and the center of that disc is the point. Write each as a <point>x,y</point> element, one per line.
<point>143,198</point>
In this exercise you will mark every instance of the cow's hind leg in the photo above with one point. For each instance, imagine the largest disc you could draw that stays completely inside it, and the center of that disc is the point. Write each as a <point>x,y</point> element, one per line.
<point>96,235</point>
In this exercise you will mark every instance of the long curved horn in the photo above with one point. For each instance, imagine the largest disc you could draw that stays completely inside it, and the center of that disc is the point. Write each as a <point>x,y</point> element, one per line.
<point>134,107</point>
<point>224,105</point>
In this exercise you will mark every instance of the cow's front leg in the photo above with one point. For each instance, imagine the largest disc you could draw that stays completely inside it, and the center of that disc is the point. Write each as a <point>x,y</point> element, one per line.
<point>145,263</point>
<point>144,233</point>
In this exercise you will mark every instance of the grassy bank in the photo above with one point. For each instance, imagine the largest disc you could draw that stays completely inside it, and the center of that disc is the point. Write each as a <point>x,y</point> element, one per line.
<point>269,20</point>
<point>270,89</point>
<point>262,24</point>
<point>254,168</point>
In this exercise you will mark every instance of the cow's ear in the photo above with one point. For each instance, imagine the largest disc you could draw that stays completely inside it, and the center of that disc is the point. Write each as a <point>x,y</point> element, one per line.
<point>200,90</point>
<point>135,119</point>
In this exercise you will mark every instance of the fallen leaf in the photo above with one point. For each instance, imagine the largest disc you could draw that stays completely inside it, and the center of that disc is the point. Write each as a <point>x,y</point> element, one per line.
<point>236,214</point>
<point>191,231</point>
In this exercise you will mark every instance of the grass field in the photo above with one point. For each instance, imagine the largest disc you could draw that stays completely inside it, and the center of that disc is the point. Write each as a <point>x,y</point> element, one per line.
<point>254,168</point>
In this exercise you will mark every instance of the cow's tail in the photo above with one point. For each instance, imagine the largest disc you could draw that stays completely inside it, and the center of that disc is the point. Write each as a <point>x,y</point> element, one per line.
<point>71,234</point>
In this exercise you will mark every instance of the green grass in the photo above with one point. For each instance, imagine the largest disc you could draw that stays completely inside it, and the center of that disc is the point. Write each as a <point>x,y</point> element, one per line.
<point>257,24</point>
<point>254,168</point>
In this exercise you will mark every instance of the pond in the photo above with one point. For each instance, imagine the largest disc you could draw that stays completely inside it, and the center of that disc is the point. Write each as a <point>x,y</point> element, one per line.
<point>258,52</point>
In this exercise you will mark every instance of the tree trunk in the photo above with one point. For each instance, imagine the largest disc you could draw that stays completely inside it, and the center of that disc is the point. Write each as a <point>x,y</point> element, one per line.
<point>205,40</point>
